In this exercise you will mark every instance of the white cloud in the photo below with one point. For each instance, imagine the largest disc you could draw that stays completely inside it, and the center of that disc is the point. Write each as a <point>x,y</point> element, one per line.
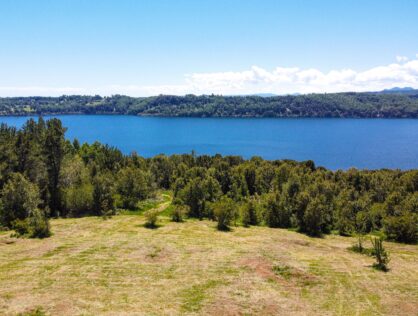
<point>401,59</point>
<point>281,80</point>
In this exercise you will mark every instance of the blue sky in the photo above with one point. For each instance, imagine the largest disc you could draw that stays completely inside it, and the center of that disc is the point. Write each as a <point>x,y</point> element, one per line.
<point>183,46</point>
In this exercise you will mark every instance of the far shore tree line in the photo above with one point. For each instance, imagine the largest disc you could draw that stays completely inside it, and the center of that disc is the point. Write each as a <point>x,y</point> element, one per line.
<point>338,105</point>
<point>44,175</point>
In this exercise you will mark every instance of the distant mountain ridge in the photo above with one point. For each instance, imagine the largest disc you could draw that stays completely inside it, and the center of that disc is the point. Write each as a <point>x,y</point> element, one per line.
<point>398,90</point>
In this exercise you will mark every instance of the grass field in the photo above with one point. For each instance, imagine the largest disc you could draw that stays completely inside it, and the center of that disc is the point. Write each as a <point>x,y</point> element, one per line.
<point>92,266</point>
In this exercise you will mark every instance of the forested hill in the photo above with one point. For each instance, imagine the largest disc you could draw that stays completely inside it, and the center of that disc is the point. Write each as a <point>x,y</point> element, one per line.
<point>343,105</point>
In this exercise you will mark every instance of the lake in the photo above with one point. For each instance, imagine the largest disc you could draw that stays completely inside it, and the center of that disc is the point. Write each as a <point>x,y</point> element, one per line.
<point>332,143</point>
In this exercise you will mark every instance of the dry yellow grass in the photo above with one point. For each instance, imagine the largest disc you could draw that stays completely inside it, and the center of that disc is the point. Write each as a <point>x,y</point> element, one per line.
<point>92,266</point>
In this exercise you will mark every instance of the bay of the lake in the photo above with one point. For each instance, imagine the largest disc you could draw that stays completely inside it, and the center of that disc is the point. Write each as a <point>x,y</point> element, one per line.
<point>332,143</point>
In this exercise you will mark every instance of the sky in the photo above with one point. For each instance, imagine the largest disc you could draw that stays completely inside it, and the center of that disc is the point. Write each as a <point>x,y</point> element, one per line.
<point>142,48</point>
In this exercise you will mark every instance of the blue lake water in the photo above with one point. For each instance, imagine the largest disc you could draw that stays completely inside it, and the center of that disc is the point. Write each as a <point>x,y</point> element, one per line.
<point>332,143</point>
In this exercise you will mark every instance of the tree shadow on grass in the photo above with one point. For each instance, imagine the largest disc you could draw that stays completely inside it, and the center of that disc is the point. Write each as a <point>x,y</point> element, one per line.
<point>151,226</point>
<point>224,229</point>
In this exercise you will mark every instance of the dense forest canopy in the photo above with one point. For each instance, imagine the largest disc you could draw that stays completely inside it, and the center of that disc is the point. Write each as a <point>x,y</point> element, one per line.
<point>43,174</point>
<point>341,105</point>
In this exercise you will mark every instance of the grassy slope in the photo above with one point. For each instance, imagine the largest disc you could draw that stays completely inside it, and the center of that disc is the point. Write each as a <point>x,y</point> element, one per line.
<point>93,266</point>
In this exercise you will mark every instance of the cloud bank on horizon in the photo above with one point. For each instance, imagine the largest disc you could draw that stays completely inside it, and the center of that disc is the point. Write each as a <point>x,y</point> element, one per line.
<point>281,80</point>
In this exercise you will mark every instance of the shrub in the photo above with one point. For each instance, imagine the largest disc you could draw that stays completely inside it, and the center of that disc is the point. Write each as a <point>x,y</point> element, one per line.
<point>178,212</point>
<point>133,186</point>
<point>38,224</point>
<point>103,202</point>
<point>402,228</point>
<point>193,196</point>
<point>19,196</point>
<point>224,211</point>
<point>249,214</point>
<point>106,211</point>
<point>21,227</point>
<point>35,226</point>
<point>363,222</point>
<point>78,199</point>
<point>276,213</point>
<point>358,246</point>
<point>151,218</point>
<point>314,218</point>
<point>344,221</point>
<point>379,252</point>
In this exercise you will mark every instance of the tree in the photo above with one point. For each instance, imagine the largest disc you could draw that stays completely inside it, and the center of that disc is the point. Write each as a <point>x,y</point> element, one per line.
<point>250,178</point>
<point>212,189</point>
<point>8,156</point>
<point>301,204</point>
<point>76,187</point>
<point>402,228</point>
<point>19,198</point>
<point>379,252</point>
<point>193,196</point>
<point>31,159</point>
<point>133,186</point>
<point>276,212</point>
<point>225,212</point>
<point>346,212</point>
<point>151,218</point>
<point>54,152</point>
<point>103,201</point>
<point>239,187</point>
<point>178,212</point>
<point>314,217</point>
<point>162,170</point>
<point>249,213</point>
<point>78,200</point>
<point>38,224</point>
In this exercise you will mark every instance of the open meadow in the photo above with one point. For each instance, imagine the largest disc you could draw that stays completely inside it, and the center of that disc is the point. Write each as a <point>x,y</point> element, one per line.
<point>92,266</point>
<point>225,158</point>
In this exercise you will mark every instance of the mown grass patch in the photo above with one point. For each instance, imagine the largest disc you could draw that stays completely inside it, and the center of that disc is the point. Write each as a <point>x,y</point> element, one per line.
<point>194,296</point>
<point>94,267</point>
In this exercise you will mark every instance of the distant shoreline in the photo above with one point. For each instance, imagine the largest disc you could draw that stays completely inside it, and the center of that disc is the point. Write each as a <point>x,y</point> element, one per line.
<point>334,105</point>
<point>209,117</point>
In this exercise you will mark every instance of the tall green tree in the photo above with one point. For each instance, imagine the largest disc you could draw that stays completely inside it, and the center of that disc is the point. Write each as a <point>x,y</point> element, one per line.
<point>19,198</point>
<point>133,185</point>
<point>54,148</point>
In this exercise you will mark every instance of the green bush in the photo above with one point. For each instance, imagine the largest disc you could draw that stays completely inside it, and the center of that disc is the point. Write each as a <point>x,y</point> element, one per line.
<point>19,196</point>
<point>34,226</point>
<point>249,214</point>
<point>379,252</point>
<point>151,218</point>
<point>276,214</point>
<point>38,224</point>
<point>78,199</point>
<point>103,202</point>
<point>225,213</point>
<point>402,228</point>
<point>133,186</point>
<point>21,227</point>
<point>314,218</point>
<point>178,213</point>
<point>358,247</point>
<point>363,222</point>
